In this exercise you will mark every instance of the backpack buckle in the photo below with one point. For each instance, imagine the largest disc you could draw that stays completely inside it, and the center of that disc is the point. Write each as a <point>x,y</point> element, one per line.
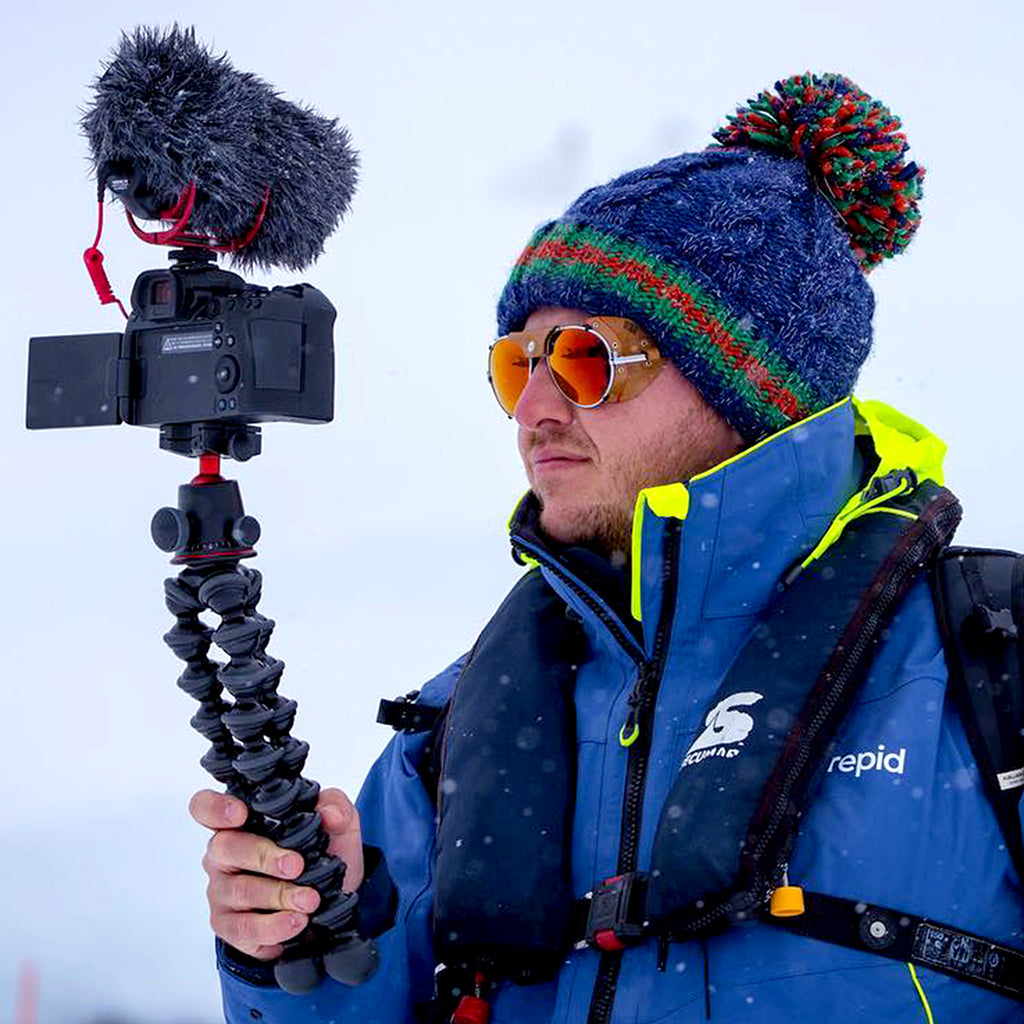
<point>615,918</point>
<point>404,714</point>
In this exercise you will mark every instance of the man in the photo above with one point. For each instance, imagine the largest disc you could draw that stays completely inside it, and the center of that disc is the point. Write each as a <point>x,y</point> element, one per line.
<point>678,350</point>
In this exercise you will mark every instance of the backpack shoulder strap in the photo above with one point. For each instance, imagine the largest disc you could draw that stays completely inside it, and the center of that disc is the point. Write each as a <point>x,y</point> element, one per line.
<point>979,601</point>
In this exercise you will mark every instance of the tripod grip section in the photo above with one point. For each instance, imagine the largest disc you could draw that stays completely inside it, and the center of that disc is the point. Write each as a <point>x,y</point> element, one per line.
<point>253,752</point>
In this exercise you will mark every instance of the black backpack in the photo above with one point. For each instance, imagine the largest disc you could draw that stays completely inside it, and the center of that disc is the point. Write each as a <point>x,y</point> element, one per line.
<point>979,600</point>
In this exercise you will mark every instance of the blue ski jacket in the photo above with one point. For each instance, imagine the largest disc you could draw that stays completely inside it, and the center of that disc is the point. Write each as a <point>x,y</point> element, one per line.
<point>898,819</point>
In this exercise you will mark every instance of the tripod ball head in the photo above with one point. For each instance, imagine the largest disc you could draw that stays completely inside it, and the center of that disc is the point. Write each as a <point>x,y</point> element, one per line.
<point>209,522</point>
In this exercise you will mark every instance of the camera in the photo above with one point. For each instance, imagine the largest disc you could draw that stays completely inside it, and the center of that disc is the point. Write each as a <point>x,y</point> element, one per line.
<point>201,346</point>
<point>179,136</point>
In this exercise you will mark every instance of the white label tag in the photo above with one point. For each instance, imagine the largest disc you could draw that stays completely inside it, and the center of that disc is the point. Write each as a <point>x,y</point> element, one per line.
<point>1011,780</point>
<point>173,344</point>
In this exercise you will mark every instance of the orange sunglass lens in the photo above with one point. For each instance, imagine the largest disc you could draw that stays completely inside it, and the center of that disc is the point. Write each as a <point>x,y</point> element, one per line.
<point>510,372</point>
<point>579,362</point>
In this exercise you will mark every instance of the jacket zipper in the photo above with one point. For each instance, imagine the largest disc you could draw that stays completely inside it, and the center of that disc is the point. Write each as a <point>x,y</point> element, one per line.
<point>642,701</point>
<point>622,638</point>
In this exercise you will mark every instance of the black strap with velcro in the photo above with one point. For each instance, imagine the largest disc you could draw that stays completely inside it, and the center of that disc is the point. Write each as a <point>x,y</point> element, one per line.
<point>917,940</point>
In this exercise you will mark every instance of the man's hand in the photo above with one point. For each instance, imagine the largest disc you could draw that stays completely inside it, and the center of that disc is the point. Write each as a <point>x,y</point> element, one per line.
<point>253,904</point>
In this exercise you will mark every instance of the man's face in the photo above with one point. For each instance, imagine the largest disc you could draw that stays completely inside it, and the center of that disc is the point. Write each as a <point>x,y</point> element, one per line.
<point>587,466</point>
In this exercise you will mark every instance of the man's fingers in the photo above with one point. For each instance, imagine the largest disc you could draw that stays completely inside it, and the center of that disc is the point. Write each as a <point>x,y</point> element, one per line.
<point>231,851</point>
<point>341,822</point>
<point>254,892</point>
<point>217,810</point>
<point>257,935</point>
<point>339,816</point>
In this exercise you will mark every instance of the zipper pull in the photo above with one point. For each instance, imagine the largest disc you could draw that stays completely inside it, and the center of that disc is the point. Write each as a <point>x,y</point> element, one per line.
<point>631,727</point>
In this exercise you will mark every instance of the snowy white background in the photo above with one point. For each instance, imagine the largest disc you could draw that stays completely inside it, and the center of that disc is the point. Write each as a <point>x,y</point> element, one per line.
<point>383,547</point>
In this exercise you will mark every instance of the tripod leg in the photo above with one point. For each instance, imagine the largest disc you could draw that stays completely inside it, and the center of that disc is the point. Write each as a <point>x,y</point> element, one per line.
<point>190,639</point>
<point>252,751</point>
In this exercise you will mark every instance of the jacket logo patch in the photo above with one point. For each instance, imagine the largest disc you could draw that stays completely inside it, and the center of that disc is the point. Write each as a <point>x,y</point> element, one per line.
<point>894,762</point>
<point>725,729</point>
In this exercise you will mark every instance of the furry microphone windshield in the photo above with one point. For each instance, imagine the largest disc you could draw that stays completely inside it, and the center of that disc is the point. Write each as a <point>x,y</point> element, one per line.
<point>168,112</point>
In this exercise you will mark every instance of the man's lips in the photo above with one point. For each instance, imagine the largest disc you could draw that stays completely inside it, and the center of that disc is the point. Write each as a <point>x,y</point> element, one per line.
<point>555,458</point>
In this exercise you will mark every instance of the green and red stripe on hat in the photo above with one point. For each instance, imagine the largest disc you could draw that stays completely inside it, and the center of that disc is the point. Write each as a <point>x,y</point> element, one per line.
<point>698,332</point>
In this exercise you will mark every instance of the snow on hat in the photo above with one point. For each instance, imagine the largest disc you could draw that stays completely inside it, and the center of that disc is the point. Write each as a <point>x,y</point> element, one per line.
<point>745,262</point>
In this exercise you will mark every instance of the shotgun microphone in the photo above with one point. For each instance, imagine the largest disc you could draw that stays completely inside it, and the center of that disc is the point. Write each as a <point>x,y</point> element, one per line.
<point>169,117</point>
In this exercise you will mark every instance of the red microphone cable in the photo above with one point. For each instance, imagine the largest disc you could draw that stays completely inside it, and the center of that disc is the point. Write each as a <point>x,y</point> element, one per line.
<point>94,265</point>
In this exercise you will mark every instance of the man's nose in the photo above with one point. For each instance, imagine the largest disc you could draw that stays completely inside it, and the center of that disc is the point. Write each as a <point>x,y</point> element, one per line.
<point>541,400</point>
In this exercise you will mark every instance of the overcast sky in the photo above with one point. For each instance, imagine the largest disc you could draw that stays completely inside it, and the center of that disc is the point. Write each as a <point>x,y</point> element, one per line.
<point>383,545</point>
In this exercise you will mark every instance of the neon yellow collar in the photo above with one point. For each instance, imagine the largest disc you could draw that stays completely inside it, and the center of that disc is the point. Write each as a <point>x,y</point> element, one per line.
<point>899,443</point>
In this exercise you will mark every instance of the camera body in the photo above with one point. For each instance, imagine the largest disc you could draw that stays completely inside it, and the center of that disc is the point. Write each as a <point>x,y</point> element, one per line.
<point>201,346</point>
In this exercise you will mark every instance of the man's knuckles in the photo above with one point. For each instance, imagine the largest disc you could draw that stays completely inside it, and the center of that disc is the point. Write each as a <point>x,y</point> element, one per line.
<point>230,851</point>
<point>250,892</point>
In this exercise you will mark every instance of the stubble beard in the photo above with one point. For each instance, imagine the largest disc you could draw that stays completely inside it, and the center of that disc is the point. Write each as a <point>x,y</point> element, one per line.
<point>605,527</point>
<point>606,520</point>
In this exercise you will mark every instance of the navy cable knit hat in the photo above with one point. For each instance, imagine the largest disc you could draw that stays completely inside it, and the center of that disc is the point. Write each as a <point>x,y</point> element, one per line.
<point>746,262</point>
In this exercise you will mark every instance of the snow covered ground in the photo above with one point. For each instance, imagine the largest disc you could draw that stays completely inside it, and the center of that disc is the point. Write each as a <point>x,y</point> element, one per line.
<point>383,547</point>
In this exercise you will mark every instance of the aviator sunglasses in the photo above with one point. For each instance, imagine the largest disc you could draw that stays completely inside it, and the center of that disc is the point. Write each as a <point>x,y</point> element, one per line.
<point>605,359</point>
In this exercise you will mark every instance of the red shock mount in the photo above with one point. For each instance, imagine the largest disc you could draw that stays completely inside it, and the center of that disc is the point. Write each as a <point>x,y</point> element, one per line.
<point>175,235</point>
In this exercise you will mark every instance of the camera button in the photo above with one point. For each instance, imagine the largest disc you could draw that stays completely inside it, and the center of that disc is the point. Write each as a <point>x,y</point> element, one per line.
<point>226,374</point>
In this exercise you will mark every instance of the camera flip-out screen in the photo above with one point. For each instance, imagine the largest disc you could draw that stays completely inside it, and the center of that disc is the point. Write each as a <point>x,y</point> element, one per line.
<point>72,381</point>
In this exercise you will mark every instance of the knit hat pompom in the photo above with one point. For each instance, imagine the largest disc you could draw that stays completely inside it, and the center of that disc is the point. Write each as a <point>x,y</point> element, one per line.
<point>853,148</point>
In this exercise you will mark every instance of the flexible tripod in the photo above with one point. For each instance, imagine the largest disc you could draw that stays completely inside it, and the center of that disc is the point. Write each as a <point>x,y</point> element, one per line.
<point>251,750</point>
